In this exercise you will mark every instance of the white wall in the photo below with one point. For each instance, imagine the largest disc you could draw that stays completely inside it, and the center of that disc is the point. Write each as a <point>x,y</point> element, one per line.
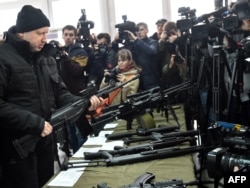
<point>105,13</point>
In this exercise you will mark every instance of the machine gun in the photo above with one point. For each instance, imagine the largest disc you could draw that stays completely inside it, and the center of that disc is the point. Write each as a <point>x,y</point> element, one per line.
<point>133,158</point>
<point>68,113</point>
<point>135,106</point>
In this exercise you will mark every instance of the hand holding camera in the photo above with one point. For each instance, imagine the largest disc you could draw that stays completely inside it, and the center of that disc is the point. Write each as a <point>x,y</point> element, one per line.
<point>131,35</point>
<point>121,77</point>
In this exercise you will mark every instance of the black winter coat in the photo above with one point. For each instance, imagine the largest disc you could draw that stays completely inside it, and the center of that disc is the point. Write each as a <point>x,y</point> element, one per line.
<point>30,90</point>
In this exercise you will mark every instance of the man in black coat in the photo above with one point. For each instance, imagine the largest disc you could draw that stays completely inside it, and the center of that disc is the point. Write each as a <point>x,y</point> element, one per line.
<point>30,90</point>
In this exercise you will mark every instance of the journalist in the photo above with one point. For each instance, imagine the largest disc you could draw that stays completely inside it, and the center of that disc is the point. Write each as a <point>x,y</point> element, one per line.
<point>101,57</point>
<point>145,51</point>
<point>172,62</point>
<point>30,91</point>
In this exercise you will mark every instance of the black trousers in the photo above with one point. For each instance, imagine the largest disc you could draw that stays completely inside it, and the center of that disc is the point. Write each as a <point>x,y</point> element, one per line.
<point>31,172</point>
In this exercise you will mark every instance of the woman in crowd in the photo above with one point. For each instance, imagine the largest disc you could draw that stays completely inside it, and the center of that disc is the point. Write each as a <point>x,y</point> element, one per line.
<point>125,70</point>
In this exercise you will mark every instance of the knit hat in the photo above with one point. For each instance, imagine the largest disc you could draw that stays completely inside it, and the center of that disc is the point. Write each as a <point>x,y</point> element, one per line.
<point>30,18</point>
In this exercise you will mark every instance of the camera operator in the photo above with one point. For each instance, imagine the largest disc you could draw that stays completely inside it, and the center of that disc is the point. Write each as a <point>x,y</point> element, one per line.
<point>172,63</point>
<point>145,51</point>
<point>101,57</point>
<point>240,97</point>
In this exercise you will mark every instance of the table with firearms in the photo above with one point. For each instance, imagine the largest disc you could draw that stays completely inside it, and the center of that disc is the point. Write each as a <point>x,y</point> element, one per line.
<point>162,155</point>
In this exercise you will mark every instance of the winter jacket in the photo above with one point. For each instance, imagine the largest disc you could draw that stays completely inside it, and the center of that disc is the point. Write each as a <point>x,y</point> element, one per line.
<point>30,90</point>
<point>128,89</point>
<point>145,55</point>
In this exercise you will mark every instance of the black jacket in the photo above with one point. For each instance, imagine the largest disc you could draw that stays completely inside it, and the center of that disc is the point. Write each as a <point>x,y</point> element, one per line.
<point>145,55</point>
<point>30,90</point>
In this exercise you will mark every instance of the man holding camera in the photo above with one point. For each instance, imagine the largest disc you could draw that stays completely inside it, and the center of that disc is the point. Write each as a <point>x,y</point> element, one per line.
<point>145,51</point>
<point>101,57</point>
<point>172,63</point>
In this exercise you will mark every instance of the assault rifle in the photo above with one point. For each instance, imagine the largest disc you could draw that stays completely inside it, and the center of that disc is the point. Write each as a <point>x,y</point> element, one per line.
<point>68,113</point>
<point>142,132</point>
<point>146,181</point>
<point>160,136</point>
<point>118,151</point>
<point>133,158</point>
<point>135,106</point>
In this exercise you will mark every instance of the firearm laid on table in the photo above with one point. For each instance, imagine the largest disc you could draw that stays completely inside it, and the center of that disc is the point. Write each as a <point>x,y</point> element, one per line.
<point>110,160</point>
<point>159,144</point>
<point>146,181</point>
<point>68,113</point>
<point>135,105</point>
<point>158,136</point>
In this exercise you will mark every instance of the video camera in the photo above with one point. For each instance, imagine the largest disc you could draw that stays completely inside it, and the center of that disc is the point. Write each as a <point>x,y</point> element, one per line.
<point>111,75</point>
<point>127,25</point>
<point>100,50</point>
<point>84,27</point>
<point>187,22</point>
<point>233,143</point>
<point>60,52</point>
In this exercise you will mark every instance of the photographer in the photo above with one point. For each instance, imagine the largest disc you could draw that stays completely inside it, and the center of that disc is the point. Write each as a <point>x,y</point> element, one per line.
<point>125,70</point>
<point>101,57</point>
<point>145,51</point>
<point>172,63</point>
<point>239,110</point>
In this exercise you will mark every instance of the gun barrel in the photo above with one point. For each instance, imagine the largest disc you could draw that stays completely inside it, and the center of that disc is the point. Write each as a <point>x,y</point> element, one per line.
<point>139,148</point>
<point>152,155</point>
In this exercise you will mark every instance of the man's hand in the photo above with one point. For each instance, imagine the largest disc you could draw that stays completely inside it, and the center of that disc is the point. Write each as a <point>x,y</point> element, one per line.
<point>47,129</point>
<point>131,35</point>
<point>95,102</point>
